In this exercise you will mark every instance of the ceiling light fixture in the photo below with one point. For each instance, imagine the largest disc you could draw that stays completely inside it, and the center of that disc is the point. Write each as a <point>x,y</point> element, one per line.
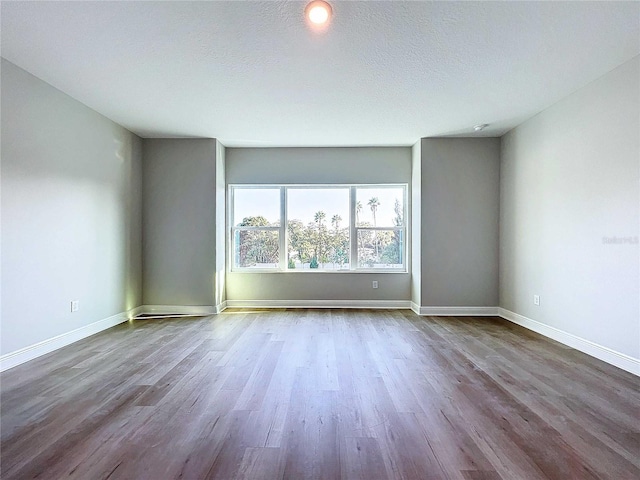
<point>318,12</point>
<point>482,126</point>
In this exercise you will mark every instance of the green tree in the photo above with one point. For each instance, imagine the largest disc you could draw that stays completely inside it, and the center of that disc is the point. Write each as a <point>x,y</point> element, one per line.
<point>321,237</point>
<point>374,203</point>
<point>392,252</point>
<point>300,242</point>
<point>338,242</point>
<point>390,242</point>
<point>256,246</point>
<point>398,220</point>
<point>365,245</point>
<point>258,221</point>
<point>358,210</point>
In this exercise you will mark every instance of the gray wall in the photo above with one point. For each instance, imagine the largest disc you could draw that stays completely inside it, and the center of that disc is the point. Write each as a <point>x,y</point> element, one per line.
<point>317,286</point>
<point>70,213</point>
<point>318,165</point>
<point>179,222</point>
<point>416,222</point>
<point>220,228</point>
<point>459,221</point>
<point>570,180</point>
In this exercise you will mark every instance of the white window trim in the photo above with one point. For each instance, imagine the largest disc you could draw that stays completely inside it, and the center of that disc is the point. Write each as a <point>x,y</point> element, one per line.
<point>283,233</point>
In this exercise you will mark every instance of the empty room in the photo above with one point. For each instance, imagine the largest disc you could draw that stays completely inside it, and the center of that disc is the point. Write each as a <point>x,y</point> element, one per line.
<point>320,239</point>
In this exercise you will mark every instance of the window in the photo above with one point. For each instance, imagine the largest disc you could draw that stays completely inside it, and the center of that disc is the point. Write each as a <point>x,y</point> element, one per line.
<point>256,238</point>
<point>380,227</point>
<point>318,228</point>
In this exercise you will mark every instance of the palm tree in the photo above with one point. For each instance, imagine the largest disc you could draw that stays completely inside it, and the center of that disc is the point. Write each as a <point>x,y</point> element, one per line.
<point>358,210</point>
<point>374,203</point>
<point>335,221</point>
<point>319,218</point>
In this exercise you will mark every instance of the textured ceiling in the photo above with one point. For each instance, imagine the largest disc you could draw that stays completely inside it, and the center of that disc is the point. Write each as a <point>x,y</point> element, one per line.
<point>384,73</point>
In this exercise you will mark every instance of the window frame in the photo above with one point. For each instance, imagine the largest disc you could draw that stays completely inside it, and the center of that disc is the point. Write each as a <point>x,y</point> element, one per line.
<point>283,240</point>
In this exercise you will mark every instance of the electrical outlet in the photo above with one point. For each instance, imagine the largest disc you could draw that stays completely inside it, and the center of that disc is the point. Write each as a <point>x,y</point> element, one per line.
<point>536,300</point>
<point>374,284</point>
<point>75,305</point>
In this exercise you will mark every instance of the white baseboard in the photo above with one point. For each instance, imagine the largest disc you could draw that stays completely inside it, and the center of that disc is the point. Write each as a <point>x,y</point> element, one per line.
<point>36,350</point>
<point>415,308</point>
<point>600,352</point>
<point>370,304</point>
<point>456,311</point>
<point>221,307</point>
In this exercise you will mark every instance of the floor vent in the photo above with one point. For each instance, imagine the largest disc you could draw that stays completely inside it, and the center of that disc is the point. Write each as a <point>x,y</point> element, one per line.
<point>158,315</point>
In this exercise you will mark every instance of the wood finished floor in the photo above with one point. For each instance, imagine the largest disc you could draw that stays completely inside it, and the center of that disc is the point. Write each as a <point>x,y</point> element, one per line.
<point>319,394</point>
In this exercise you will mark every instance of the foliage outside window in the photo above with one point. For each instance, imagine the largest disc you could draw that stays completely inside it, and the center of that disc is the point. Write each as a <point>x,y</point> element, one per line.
<point>318,228</point>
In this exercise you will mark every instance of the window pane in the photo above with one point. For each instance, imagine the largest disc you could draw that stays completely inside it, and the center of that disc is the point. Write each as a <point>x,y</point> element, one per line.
<point>318,228</point>
<point>380,249</point>
<point>256,248</point>
<point>258,207</point>
<point>379,207</point>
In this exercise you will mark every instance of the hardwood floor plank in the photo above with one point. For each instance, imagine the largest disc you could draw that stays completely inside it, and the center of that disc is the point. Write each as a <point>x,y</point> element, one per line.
<point>164,385</point>
<point>452,446</point>
<point>52,459</point>
<point>312,447</point>
<point>255,389</point>
<point>268,423</point>
<point>260,464</point>
<point>363,459</point>
<point>480,475</point>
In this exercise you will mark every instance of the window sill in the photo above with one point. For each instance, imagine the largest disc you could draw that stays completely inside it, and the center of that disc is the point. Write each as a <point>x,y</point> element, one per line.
<point>308,271</point>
